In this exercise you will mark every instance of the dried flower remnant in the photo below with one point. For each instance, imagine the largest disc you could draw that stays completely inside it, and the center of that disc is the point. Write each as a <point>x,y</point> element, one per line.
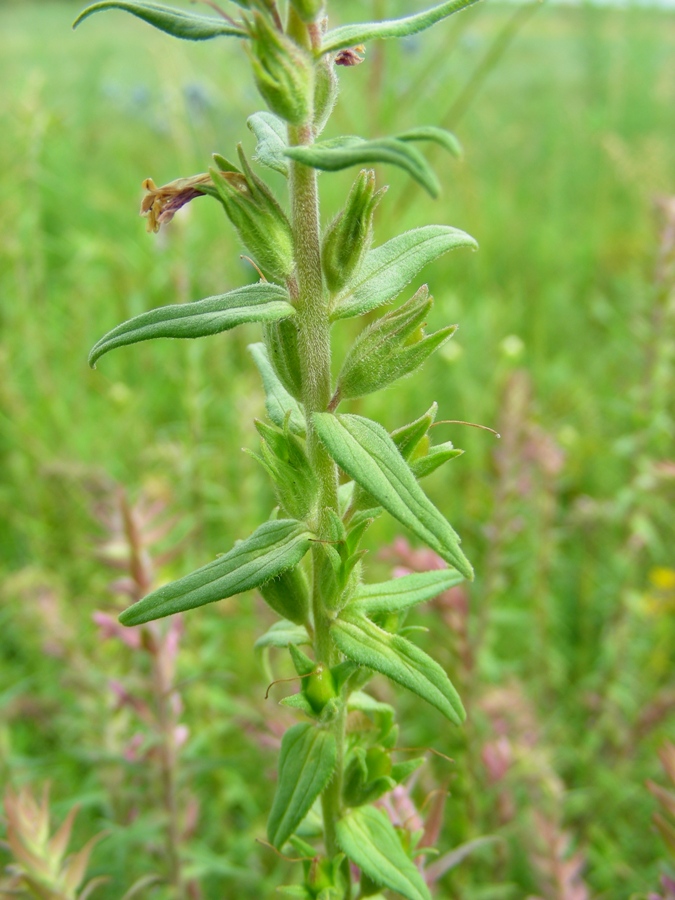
<point>161,204</point>
<point>352,56</point>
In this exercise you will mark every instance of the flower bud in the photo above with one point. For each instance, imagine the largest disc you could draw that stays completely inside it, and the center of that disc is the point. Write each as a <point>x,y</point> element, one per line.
<point>283,72</point>
<point>288,595</point>
<point>391,347</point>
<point>349,235</point>
<point>260,221</point>
<point>295,483</point>
<point>281,341</point>
<point>319,688</point>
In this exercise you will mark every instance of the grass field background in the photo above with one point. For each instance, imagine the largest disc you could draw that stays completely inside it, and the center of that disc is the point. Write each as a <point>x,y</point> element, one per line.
<point>565,346</point>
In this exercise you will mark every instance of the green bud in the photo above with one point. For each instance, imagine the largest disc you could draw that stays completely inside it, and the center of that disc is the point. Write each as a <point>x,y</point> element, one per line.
<point>283,72</point>
<point>260,221</point>
<point>288,595</point>
<point>325,92</point>
<point>408,437</point>
<point>393,346</point>
<point>319,687</point>
<point>284,457</point>
<point>378,762</point>
<point>348,236</point>
<point>308,10</point>
<point>281,341</point>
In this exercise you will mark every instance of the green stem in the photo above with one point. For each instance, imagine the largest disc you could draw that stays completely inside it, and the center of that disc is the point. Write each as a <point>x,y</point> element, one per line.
<point>314,348</point>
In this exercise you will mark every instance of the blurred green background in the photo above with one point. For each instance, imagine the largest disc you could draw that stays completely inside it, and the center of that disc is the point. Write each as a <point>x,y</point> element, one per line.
<point>565,346</point>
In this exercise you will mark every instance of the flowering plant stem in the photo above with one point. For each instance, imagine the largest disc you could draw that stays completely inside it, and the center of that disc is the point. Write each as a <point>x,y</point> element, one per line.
<point>334,473</point>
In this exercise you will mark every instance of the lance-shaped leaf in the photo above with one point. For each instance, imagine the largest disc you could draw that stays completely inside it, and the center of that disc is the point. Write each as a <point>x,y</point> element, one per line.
<point>260,302</point>
<point>306,765</point>
<point>369,840</point>
<point>440,136</point>
<point>270,132</point>
<point>349,35</point>
<point>402,593</point>
<point>388,269</point>
<point>269,551</point>
<point>177,22</point>
<point>341,153</point>
<point>392,655</point>
<point>364,450</point>
<point>278,402</point>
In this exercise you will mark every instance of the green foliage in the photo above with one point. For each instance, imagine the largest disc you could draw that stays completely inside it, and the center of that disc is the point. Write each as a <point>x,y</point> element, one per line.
<point>269,551</point>
<point>565,603</point>
<point>176,22</point>
<point>257,216</point>
<point>349,235</point>
<point>344,152</point>
<point>394,656</point>
<point>270,133</point>
<point>283,72</point>
<point>364,450</point>
<point>392,347</point>
<point>348,35</point>
<point>368,838</point>
<point>281,407</point>
<point>306,765</point>
<point>402,593</point>
<point>254,303</point>
<point>389,268</point>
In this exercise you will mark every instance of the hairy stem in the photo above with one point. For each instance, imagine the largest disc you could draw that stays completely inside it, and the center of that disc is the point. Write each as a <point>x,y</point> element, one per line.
<point>315,357</point>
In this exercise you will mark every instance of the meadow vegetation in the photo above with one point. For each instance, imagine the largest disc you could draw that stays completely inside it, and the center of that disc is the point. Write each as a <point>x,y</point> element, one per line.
<point>562,648</point>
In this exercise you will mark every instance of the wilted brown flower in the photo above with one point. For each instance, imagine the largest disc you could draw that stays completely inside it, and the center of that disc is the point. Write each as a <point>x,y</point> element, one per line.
<point>160,204</point>
<point>351,56</point>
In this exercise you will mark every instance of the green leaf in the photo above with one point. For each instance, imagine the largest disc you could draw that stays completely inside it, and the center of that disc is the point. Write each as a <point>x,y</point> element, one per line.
<point>260,302</point>
<point>440,136</point>
<point>282,634</point>
<point>368,838</point>
<point>306,765</point>
<point>392,655</point>
<point>402,593</point>
<point>388,269</point>
<point>364,450</point>
<point>441,453</point>
<point>177,22</point>
<point>272,548</point>
<point>341,153</point>
<point>390,348</point>
<point>270,132</point>
<point>349,35</point>
<point>278,402</point>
